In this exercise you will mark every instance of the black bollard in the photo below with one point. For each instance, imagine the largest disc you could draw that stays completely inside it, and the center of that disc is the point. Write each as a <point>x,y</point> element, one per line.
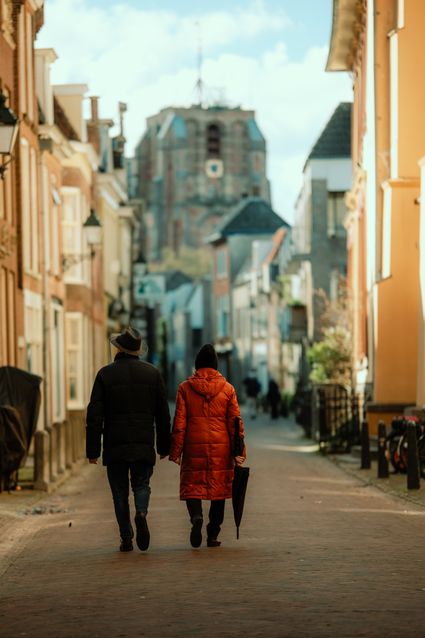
<point>413,480</point>
<point>364,440</point>
<point>382,451</point>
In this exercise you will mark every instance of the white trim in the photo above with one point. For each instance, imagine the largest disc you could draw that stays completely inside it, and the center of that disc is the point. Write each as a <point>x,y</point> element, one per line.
<point>33,331</point>
<point>76,403</point>
<point>57,362</point>
<point>386,233</point>
<point>400,14</point>
<point>394,105</point>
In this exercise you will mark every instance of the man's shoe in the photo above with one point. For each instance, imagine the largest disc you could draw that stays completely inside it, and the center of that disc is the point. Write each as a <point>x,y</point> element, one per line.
<point>142,531</point>
<point>126,545</point>
<point>196,532</point>
<point>213,542</point>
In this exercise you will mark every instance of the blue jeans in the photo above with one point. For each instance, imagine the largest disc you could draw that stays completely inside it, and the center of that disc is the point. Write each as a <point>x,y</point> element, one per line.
<point>140,474</point>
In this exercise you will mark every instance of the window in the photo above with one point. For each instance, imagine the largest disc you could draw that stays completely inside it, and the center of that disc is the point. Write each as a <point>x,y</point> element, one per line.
<point>7,318</point>
<point>26,62</point>
<point>262,322</point>
<point>221,264</point>
<point>57,361</point>
<point>334,284</point>
<point>21,62</point>
<point>34,213</point>
<point>72,231</point>
<point>46,215</point>
<point>6,209</point>
<point>29,64</point>
<point>33,331</point>
<point>336,212</point>
<point>30,223</point>
<point>55,226</point>
<point>213,141</point>
<point>74,359</point>
<point>26,204</point>
<point>196,338</point>
<point>223,317</point>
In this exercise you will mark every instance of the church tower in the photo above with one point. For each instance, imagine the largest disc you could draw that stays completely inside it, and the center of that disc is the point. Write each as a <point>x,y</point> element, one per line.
<point>193,166</point>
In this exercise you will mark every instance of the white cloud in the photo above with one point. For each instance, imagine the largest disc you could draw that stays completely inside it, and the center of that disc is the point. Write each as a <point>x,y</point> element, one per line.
<point>148,59</point>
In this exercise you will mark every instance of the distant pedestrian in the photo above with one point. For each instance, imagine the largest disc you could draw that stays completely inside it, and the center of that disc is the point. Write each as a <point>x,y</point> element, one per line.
<point>128,396</point>
<point>206,407</point>
<point>252,390</point>
<point>273,397</point>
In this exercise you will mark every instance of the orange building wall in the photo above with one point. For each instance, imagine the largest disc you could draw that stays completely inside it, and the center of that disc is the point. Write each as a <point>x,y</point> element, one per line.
<point>397,303</point>
<point>411,84</point>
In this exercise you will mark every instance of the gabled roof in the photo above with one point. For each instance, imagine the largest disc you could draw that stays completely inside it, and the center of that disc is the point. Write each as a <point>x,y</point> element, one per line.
<point>335,139</point>
<point>62,121</point>
<point>174,122</point>
<point>254,132</point>
<point>277,241</point>
<point>253,216</point>
<point>174,279</point>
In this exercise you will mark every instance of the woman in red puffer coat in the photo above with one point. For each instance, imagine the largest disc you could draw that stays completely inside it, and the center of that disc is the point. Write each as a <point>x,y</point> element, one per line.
<point>206,408</point>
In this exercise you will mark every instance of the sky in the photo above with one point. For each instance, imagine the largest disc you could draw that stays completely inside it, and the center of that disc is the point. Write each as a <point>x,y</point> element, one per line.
<point>266,55</point>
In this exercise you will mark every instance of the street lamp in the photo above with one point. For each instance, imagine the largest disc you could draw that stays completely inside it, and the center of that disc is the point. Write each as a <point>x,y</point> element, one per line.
<point>9,125</point>
<point>92,229</point>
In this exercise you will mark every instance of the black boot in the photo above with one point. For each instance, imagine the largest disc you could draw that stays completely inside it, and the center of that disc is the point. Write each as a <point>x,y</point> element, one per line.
<point>196,531</point>
<point>213,542</point>
<point>142,531</point>
<point>212,533</point>
<point>126,545</point>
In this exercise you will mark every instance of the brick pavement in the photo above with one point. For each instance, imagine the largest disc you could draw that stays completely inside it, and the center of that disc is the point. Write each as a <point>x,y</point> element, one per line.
<point>320,555</point>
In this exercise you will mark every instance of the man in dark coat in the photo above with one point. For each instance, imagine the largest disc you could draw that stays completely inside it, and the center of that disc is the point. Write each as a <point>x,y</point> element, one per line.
<point>252,389</point>
<point>273,397</point>
<point>128,396</point>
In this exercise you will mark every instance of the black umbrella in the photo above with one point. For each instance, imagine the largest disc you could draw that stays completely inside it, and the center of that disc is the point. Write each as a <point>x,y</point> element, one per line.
<point>240,479</point>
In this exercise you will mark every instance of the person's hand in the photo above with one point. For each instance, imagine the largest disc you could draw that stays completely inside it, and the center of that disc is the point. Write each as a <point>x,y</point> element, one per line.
<point>93,461</point>
<point>176,461</point>
<point>162,456</point>
<point>239,460</point>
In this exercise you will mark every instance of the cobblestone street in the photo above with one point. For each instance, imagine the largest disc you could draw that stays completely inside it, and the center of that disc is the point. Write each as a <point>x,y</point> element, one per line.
<point>320,555</point>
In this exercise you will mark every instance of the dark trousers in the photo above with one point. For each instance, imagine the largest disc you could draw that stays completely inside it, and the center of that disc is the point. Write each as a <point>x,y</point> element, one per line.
<point>274,408</point>
<point>215,515</point>
<point>118,476</point>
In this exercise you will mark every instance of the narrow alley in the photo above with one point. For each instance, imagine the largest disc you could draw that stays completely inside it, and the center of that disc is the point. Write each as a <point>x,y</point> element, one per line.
<point>320,555</point>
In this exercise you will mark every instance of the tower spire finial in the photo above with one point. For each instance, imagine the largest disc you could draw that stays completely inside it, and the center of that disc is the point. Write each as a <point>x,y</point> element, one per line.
<point>199,83</point>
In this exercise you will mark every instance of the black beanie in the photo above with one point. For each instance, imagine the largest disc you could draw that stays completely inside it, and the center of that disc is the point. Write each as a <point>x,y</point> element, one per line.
<point>206,357</point>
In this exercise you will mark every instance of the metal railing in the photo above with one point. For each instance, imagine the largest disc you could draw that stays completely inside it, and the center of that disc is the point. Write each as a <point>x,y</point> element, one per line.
<point>336,416</point>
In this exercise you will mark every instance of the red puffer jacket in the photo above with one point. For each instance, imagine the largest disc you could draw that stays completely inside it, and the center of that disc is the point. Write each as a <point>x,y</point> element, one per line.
<point>206,407</point>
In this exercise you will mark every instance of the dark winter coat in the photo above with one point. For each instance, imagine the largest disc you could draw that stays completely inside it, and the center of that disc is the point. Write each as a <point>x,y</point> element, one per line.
<point>128,396</point>
<point>206,407</point>
<point>252,386</point>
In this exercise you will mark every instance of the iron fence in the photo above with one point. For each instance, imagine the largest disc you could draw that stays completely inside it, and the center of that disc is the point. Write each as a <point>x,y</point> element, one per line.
<point>336,416</point>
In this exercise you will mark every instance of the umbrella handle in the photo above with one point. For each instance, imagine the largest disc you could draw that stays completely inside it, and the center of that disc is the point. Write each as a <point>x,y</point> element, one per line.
<point>237,533</point>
